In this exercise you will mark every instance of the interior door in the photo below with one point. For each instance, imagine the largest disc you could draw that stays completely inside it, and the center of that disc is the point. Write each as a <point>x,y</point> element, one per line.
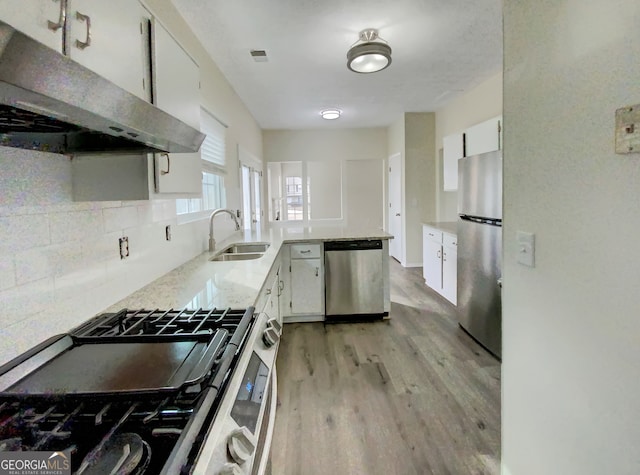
<point>395,207</point>
<point>251,197</point>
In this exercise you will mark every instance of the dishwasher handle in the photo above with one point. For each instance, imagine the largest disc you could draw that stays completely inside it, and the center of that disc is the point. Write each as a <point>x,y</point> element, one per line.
<point>357,245</point>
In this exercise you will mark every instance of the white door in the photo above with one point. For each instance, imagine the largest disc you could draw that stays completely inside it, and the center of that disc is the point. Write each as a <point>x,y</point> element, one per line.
<point>176,85</point>
<point>432,265</point>
<point>306,286</point>
<point>450,274</point>
<point>39,19</point>
<point>109,38</point>
<point>251,197</point>
<point>395,207</point>
<point>257,198</point>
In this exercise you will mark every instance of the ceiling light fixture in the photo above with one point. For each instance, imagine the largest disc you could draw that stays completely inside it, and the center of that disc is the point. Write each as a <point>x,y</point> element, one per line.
<point>368,55</point>
<point>330,114</point>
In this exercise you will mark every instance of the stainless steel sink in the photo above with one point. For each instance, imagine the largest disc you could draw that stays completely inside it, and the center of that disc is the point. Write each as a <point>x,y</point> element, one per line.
<point>241,251</point>
<point>237,257</point>
<point>245,247</point>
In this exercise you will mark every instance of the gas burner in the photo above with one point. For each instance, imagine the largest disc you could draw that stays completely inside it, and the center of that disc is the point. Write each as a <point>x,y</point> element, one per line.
<point>111,414</point>
<point>124,454</point>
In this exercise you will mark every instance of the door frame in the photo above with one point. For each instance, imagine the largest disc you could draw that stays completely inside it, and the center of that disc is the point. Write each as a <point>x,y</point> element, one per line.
<point>246,159</point>
<point>395,162</point>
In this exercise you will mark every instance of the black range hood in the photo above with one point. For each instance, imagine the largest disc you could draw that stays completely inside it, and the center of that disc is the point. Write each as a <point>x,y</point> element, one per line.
<point>50,103</point>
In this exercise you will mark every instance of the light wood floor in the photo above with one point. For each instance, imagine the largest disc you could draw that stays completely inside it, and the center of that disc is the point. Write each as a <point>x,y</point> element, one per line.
<point>410,395</point>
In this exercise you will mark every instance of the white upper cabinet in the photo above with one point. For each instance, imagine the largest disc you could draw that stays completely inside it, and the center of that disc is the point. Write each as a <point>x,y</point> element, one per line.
<point>452,151</point>
<point>108,38</point>
<point>42,20</point>
<point>176,79</point>
<point>484,137</point>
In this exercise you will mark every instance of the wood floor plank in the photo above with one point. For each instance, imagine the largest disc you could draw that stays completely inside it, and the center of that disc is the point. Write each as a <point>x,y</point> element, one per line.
<point>410,395</point>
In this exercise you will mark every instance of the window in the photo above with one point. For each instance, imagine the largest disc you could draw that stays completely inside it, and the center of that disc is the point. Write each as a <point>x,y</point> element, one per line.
<point>212,153</point>
<point>293,194</point>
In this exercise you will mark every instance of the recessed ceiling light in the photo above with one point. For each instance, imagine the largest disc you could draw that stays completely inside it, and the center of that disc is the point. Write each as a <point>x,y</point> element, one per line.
<point>368,55</point>
<point>330,114</point>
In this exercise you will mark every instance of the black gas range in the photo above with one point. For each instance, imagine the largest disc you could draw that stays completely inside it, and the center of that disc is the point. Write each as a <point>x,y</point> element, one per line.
<point>131,392</point>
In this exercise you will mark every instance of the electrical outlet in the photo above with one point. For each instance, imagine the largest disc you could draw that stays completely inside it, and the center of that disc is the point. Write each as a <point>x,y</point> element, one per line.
<point>167,232</point>
<point>124,247</point>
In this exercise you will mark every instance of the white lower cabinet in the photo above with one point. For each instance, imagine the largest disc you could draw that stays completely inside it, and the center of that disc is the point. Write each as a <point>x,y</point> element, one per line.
<point>440,262</point>
<point>305,291</point>
<point>432,257</point>
<point>450,268</point>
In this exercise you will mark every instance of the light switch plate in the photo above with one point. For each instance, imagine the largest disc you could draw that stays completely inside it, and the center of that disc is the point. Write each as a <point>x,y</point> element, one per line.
<point>628,129</point>
<point>526,248</point>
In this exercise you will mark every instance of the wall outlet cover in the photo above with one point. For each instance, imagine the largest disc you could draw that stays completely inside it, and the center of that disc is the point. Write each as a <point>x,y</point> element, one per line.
<point>526,243</point>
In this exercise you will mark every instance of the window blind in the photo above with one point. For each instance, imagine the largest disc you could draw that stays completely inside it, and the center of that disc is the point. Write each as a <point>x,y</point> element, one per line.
<point>213,148</point>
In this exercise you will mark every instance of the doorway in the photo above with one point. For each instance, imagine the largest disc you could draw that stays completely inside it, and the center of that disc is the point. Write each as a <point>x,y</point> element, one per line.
<point>395,207</point>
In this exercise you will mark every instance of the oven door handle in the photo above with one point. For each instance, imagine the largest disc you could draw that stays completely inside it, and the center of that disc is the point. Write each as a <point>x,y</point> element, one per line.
<point>266,451</point>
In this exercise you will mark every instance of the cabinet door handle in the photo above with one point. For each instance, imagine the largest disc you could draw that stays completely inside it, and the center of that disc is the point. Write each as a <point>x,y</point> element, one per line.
<point>61,19</point>
<point>397,214</point>
<point>166,172</point>
<point>305,252</point>
<point>444,256</point>
<point>438,254</point>
<point>317,270</point>
<point>280,287</point>
<point>87,42</point>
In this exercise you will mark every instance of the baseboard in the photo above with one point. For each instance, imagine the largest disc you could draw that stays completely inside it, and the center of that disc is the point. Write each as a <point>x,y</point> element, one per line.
<point>413,264</point>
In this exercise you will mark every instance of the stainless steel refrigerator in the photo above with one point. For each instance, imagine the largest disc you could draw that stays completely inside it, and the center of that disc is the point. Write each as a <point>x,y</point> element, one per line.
<point>480,248</point>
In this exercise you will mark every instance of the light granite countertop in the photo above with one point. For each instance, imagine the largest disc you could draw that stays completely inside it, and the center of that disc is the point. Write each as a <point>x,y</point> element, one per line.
<point>236,284</point>
<point>450,227</point>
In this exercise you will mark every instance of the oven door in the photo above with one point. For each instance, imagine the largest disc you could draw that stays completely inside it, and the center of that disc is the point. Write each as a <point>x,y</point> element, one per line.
<point>262,458</point>
<point>239,439</point>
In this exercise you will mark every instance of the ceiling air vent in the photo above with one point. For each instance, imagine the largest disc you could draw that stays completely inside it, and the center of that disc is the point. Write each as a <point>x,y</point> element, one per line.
<point>259,55</point>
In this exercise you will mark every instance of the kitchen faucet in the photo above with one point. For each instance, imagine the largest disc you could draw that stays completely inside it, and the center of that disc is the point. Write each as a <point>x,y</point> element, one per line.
<point>212,242</point>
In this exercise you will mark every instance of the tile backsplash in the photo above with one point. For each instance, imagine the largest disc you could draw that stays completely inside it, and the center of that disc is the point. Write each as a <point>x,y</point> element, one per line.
<point>60,261</point>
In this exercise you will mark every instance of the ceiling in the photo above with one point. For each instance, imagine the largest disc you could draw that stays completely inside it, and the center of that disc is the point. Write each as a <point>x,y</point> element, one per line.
<point>441,48</point>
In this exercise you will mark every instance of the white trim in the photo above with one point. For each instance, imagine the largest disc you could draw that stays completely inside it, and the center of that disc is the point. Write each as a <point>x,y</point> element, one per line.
<point>413,264</point>
<point>247,158</point>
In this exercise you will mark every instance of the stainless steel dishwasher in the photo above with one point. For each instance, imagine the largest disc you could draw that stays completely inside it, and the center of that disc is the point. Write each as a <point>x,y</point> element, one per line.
<point>354,284</point>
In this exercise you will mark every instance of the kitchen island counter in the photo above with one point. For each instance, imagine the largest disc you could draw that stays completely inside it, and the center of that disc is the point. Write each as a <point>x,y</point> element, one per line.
<point>236,284</point>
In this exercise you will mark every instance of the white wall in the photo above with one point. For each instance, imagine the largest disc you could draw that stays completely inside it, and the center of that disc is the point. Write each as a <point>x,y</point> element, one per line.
<point>336,147</point>
<point>419,180</point>
<point>476,105</point>
<point>59,260</point>
<point>413,136</point>
<point>571,325</point>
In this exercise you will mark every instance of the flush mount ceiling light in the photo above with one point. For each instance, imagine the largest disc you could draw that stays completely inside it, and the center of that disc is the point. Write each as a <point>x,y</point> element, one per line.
<point>368,55</point>
<point>330,114</point>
